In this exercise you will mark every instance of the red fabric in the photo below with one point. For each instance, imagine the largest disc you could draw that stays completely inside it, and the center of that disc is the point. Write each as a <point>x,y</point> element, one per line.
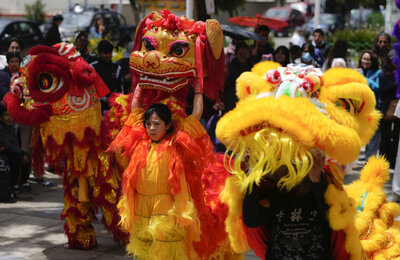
<point>38,49</point>
<point>100,87</point>
<point>21,115</point>
<point>199,63</point>
<point>82,73</point>
<point>213,83</point>
<point>338,250</point>
<point>258,239</point>
<point>257,21</point>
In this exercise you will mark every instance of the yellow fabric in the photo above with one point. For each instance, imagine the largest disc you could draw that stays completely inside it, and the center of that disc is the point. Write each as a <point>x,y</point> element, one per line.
<point>233,197</point>
<point>135,118</point>
<point>193,127</point>
<point>163,225</point>
<point>58,126</point>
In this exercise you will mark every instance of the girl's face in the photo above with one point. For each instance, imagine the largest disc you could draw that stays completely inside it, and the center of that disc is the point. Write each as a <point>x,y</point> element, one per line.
<point>156,127</point>
<point>280,56</point>
<point>13,64</point>
<point>366,61</point>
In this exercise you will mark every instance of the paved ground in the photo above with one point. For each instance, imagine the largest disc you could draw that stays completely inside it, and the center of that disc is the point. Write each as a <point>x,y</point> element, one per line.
<point>31,228</point>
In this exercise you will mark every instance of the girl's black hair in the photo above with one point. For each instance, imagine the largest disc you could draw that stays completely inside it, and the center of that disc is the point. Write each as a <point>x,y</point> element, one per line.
<point>286,52</point>
<point>162,112</point>
<point>310,48</point>
<point>11,55</point>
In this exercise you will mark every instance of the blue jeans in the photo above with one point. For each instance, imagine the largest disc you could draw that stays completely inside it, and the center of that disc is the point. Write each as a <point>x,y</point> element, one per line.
<point>373,145</point>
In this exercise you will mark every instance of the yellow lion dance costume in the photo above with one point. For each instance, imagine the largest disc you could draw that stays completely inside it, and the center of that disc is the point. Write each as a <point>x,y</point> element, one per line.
<point>281,115</point>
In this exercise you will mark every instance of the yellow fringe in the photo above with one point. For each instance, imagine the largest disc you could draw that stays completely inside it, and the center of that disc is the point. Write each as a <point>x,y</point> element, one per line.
<point>233,197</point>
<point>265,151</point>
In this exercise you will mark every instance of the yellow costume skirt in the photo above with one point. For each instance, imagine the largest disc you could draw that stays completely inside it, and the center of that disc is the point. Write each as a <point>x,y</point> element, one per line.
<point>155,234</point>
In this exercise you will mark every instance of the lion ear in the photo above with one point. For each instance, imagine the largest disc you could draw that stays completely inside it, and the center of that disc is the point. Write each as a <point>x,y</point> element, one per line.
<point>215,37</point>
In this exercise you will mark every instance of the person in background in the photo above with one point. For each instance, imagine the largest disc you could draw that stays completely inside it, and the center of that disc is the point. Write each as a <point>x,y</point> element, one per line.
<point>52,35</point>
<point>295,54</point>
<point>239,64</point>
<point>98,30</point>
<point>369,67</point>
<point>390,129</point>
<point>297,37</point>
<point>14,45</point>
<point>339,50</point>
<point>308,55</point>
<point>124,63</point>
<point>109,71</point>
<point>6,74</point>
<point>319,42</point>
<point>261,47</point>
<point>383,47</point>
<point>17,157</point>
<point>338,63</point>
<point>282,56</point>
<point>81,44</point>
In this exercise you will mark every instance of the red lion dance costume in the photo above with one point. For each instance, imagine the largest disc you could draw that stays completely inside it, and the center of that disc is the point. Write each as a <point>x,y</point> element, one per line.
<point>58,93</point>
<point>170,53</point>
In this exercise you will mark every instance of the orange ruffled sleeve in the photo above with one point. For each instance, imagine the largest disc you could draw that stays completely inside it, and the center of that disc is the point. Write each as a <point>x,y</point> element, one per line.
<point>135,118</point>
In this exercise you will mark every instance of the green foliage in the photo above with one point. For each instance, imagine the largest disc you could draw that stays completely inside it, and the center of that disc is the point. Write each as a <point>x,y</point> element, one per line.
<point>35,12</point>
<point>230,6</point>
<point>376,20</point>
<point>358,40</point>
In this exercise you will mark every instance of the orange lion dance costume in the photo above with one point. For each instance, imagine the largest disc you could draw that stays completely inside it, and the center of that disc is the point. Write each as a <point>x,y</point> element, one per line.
<point>170,54</point>
<point>58,93</point>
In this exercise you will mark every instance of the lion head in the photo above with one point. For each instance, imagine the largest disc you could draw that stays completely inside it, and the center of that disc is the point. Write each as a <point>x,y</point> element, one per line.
<point>282,113</point>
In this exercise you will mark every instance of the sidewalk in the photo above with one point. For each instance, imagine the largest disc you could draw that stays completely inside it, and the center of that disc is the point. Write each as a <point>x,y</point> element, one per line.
<point>31,228</point>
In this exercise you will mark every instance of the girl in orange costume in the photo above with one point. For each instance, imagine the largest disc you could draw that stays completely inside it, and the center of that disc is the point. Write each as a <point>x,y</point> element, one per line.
<point>157,207</point>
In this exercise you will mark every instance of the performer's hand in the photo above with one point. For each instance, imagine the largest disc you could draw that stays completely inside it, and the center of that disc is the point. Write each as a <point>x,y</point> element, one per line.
<point>137,96</point>
<point>219,106</point>
<point>318,166</point>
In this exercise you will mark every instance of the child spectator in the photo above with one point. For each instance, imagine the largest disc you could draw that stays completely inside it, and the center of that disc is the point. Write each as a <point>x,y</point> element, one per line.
<point>109,71</point>
<point>295,54</point>
<point>11,149</point>
<point>6,74</point>
<point>339,50</point>
<point>282,56</point>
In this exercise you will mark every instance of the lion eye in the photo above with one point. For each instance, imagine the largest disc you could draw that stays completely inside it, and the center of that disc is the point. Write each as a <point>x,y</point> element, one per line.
<point>49,83</point>
<point>178,49</point>
<point>352,106</point>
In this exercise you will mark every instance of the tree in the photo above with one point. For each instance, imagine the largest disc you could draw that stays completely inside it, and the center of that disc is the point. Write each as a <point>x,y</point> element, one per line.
<point>343,6</point>
<point>35,12</point>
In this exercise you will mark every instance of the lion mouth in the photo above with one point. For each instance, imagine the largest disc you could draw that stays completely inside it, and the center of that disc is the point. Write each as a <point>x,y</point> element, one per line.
<point>167,84</point>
